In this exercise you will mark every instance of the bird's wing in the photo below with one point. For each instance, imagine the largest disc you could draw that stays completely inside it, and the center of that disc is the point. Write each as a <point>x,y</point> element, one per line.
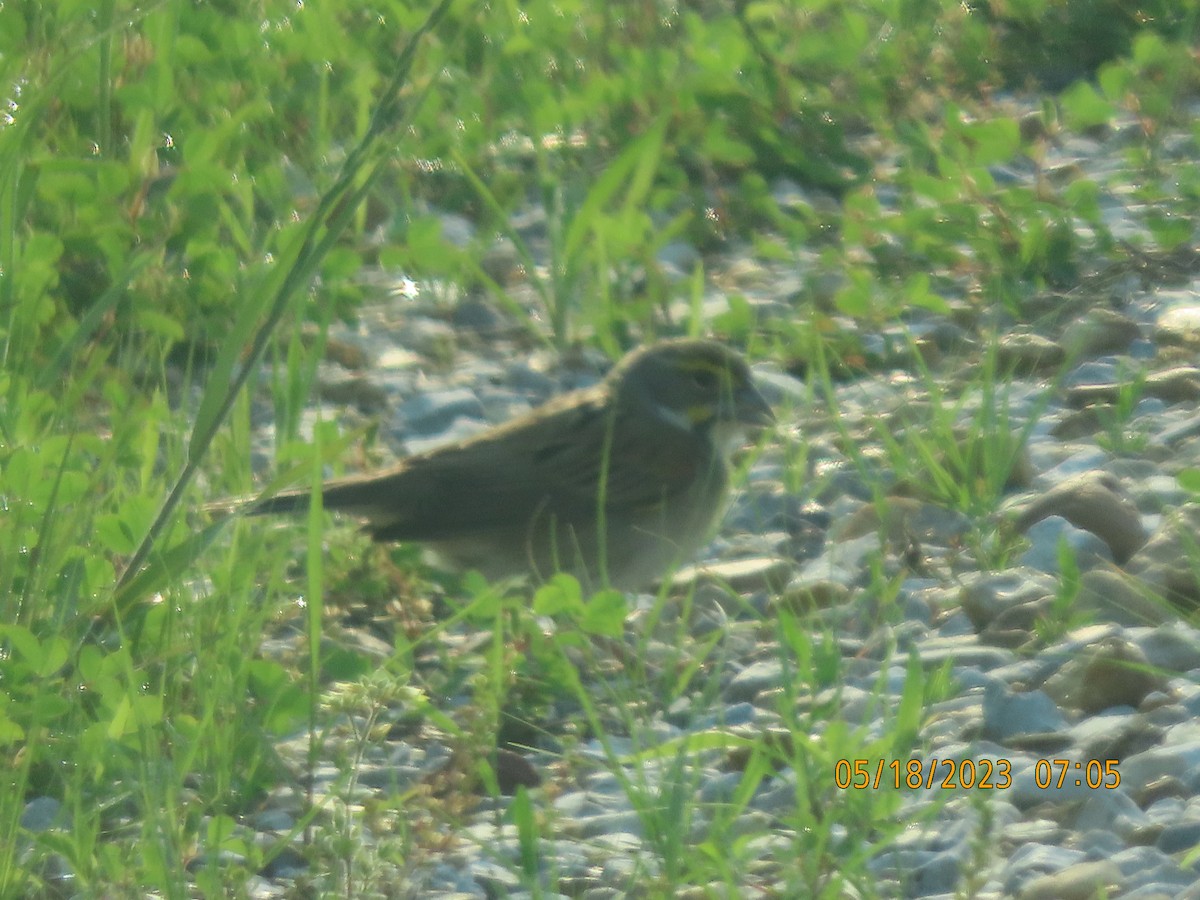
<point>515,474</point>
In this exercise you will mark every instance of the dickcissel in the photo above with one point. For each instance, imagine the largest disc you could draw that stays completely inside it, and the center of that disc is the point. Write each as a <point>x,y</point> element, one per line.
<point>614,483</point>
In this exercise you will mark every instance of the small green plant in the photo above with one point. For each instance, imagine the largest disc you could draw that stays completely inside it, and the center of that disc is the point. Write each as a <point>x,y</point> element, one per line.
<point>1118,437</point>
<point>1063,616</point>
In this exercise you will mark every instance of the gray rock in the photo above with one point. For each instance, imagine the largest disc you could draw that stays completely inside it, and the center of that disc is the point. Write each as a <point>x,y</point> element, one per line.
<point>1175,649</point>
<point>1007,714</point>
<point>1179,837</point>
<point>42,814</point>
<point>754,679</point>
<point>985,596</point>
<point>1179,760</point>
<point>1045,537</point>
<point>432,412</point>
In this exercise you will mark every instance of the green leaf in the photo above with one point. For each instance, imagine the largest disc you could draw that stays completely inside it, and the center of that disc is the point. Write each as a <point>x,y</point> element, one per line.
<point>1189,480</point>
<point>24,642</point>
<point>1084,108</point>
<point>604,614</point>
<point>561,595</point>
<point>1170,229</point>
<point>994,141</point>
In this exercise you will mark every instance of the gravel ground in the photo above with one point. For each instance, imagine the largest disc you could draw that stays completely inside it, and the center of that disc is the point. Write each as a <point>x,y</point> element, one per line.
<point>1101,406</point>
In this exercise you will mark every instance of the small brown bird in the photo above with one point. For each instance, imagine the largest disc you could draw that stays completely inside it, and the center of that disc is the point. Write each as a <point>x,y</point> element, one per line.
<point>614,483</point>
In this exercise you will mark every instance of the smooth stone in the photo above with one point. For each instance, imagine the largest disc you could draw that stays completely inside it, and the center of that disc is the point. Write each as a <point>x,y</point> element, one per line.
<point>1035,831</point>
<point>1007,714</point>
<point>1081,461</point>
<point>1179,326</point>
<point>1027,353</point>
<point>1107,810</point>
<point>620,831</point>
<point>842,562</point>
<point>576,805</point>
<point>1175,649</point>
<point>1180,384</point>
<point>1180,431</point>
<point>1033,860</point>
<point>273,819</point>
<point>680,256</point>
<point>1100,330</point>
<point>742,576</point>
<point>1082,881</point>
<point>1073,425</point>
<point>1045,540</point>
<point>904,519</point>
<point>1030,672</point>
<point>985,596</point>
<point>1160,491</point>
<point>502,263</point>
<point>1162,890</point>
<point>1113,672</point>
<point>754,679</point>
<point>1179,837</point>
<point>459,430</point>
<point>398,359</point>
<point>357,391</point>
<point>433,412</point>
<point>956,625</point>
<point>42,814</point>
<point>779,388</point>
<point>1180,761</point>
<point>800,597</point>
<point>1164,791</point>
<point>964,653</point>
<point>940,874</point>
<point>286,863</point>
<point>721,788</point>
<point>1166,562</point>
<point>1025,792</point>
<point>1095,502</point>
<point>1113,735</point>
<point>1091,372</point>
<point>1017,625</point>
<point>1146,415</point>
<point>1140,863</point>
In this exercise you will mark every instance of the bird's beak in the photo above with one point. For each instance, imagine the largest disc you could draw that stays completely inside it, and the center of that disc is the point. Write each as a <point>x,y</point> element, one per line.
<point>751,409</point>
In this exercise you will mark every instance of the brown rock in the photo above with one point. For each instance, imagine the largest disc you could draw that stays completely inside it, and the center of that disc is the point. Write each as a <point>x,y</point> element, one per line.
<point>1178,384</point>
<point>1095,502</point>
<point>1081,881</point>
<point>989,597</point>
<point>1026,353</point>
<point>903,519</point>
<point>1112,672</point>
<point>1097,332</point>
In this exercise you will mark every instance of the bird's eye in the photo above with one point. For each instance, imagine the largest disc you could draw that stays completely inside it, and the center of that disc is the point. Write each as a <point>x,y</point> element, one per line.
<point>705,379</point>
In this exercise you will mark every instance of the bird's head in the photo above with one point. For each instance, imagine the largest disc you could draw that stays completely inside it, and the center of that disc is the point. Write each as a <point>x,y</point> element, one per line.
<point>697,385</point>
